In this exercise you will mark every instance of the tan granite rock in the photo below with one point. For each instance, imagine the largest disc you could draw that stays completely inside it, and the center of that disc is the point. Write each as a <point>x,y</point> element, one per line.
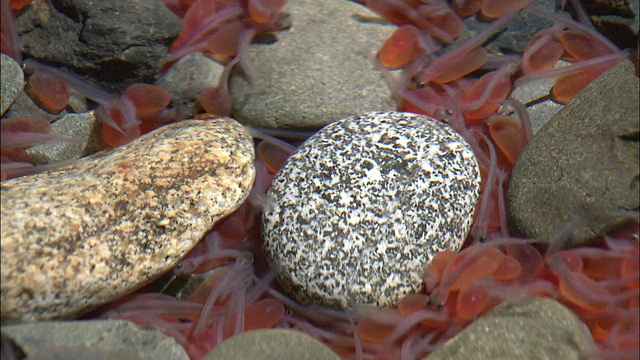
<point>79,237</point>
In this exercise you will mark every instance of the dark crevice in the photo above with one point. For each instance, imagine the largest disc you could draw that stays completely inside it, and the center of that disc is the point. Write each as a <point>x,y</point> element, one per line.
<point>632,136</point>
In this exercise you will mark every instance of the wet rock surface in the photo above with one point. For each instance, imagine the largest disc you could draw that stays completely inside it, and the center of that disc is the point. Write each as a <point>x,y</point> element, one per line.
<point>298,85</point>
<point>12,82</point>
<point>114,42</point>
<point>95,339</point>
<point>83,126</point>
<point>272,344</point>
<point>532,329</point>
<point>535,96</point>
<point>188,77</point>
<point>582,165</point>
<point>516,35</point>
<point>79,237</point>
<point>361,208</point>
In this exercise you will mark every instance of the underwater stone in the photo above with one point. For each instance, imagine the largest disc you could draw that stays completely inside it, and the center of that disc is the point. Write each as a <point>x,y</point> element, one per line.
<point>79,237</point>
<point>12,82</point>
<point>272,344</point>
<point>582,165</point>
<point>358,211</point>
<point>93,339</point>
<point>319,71</point>
<point>530,328</point>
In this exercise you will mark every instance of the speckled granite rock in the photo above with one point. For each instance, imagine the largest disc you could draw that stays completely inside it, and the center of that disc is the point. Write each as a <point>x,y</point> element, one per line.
<point>582,165</point>
<point>272,344</point>
<point>12,82</point>
<point>94,339</point>
<point>317,72</point>
<point>358,211</point>
<point>78,237</point>
<point>534,329</point>
<point>112,42</point>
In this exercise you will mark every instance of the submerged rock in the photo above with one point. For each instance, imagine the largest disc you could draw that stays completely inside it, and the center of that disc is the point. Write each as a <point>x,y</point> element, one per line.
<point>319,71</point>
<point>111,42</point>
<point>94,339</point>
<point>81,236</point>
<point>582,166</point>
<point>12,82</point>
<point>272,344</point>
<point>531,329</point>
<point>359,210</point>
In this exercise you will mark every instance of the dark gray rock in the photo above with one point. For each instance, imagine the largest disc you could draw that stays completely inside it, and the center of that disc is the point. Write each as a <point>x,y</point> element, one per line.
<point>271,344</point>
<point>359,210</point>
<point>582,165</point>
<point>319,71</point>
<point>516,34</point>
<point>114,43</point>
<point>12,82</point>
<point>531,329</point>
<point>93,339</point>
<point>616,19</point>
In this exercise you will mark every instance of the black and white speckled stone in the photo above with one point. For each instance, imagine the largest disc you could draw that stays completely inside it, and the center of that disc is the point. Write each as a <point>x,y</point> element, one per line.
<point>357,213</point>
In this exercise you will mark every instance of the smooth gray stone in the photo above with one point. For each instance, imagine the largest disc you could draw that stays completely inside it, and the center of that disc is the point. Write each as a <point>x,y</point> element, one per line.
<point>532,329</point>
<point>93,339</point>
<point>319,71</point>
<point>582,166</point>
<point>271,344</point>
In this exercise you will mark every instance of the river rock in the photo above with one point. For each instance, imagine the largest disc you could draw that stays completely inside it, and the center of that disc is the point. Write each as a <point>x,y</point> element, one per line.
<point>582,165</point>
<point>94,339</point>
<point>84,126</point>
<point>113,43</point>
<point>321,70</point>
<point>272,344</point>
<point>358,211</point>
<point>12,82</point>
<point>532,329</point>
<point>188,77</point>
<point>81,236</point>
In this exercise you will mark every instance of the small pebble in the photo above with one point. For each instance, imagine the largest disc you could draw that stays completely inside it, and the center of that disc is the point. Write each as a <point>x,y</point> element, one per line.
<point>359,210</point>
<point>188,77</point>
<point>87,234</point>
<point>83,126</point>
